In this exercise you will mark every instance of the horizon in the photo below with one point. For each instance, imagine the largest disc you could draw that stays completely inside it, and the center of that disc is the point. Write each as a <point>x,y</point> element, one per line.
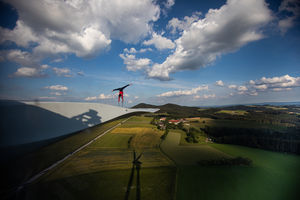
<point>208,53</point>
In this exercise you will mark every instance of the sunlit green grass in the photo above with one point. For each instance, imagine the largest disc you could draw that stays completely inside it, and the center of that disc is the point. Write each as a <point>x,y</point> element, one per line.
<point>272,176</point>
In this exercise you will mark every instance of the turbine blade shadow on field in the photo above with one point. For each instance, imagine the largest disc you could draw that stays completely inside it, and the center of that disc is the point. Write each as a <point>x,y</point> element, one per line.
<point>129,183</point>
<point>136,164</point>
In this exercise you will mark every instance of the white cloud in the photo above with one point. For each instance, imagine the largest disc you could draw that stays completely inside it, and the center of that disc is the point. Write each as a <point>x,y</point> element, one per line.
<point>179,25</point>
<point>56,93</point>
<point>133,64</point>
<point>131,50</point>
<point>281,89</point>
<point>169,3</point>
<point>292,7</point>
<point>221,31</point>
<point>91,98</point>
<point>261,87</point>
<point>47,98</point>
<point>275,84</point>
<point>183,92</point>
<point>100,97</point>
<point>29,72</point>
<point>23,58</point>
<point>103,96</point>
<point>242,88</point>
<point>209,96</point>
<point>205,96</point>
<point>30,67</point>
<point>62,72</point>
<point>252,82</point>
<point>80,27</point>
<point>57,87</point>
<point>160,42</point>
<point>285,81</point>
<point>232,86</point>
<point>143,50</point>
<point>220,83</point>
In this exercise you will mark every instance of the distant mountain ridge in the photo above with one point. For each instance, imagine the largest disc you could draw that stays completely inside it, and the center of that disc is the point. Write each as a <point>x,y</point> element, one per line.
<point>172,109</point>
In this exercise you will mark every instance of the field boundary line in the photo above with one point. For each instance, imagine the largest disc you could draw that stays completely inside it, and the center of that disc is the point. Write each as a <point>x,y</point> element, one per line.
<point>35,177</point>
<point>176,165</point>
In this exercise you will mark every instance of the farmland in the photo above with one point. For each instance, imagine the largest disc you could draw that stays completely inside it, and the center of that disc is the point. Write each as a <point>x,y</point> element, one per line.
<point>103,169</point>
<point>187,160</point>
<point>271,176</point>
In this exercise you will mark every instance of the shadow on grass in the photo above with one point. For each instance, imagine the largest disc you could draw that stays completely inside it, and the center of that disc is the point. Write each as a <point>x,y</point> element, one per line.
<point>136,164</point>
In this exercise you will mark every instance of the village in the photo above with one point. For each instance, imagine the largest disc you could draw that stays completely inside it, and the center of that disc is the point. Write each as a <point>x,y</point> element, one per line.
<point>190,126</point>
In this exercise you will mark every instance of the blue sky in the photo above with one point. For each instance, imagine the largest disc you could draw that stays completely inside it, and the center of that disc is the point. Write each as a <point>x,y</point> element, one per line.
<point>196,53</point>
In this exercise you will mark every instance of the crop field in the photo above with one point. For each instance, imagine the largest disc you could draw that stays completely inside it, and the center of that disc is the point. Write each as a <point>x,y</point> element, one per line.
<point>276,108</point>
<point>233,112</point>
<point>103,170</point>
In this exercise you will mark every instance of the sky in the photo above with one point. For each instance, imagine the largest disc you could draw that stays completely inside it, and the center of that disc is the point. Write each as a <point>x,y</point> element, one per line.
<point>194,53</point>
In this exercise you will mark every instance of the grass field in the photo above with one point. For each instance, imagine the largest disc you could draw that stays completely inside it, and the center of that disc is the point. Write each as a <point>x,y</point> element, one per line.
<point>272,176</point>
<point>156,183</point>
<point>103,169</point>
<point>189,155</point>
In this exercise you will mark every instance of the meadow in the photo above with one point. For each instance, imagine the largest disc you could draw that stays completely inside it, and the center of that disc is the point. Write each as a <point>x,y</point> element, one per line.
<point>271,176</point>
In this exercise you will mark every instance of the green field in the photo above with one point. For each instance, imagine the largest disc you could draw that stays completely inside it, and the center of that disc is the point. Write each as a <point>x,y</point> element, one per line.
<point>103,169</point>
<point>272,176</point>
<point>189,155</point>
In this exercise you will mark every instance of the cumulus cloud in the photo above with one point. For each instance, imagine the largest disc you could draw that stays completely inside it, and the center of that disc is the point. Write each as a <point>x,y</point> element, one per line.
<point>274,84</point>
<point>56,93</point>
<point>221,31</point>
<point>100,97</point>
<point>23,58</point>
<point>91,98</point>
<point>160,42</point>
<point>29,72</point>
<point>205,96</point>
<point>169,3</point>
<point>177,25</point>
<point>220,83</point>
<point>62,72</point>
<point>47,98</point>
<point>78,26</point>
<point>133,64</point>
<point>30,66</point>
<point>57,87</point>
<point>183,92</point>
<point>232,86</point>
<point>132,50</point>
<point>292,8</point>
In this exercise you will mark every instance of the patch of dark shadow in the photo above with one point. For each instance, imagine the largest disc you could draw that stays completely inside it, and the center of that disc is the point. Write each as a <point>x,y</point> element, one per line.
<point>129,142</point>
<point>238,161</point>
<point>136,164</point>
<point>89,118</point>
<point>21,123</point>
